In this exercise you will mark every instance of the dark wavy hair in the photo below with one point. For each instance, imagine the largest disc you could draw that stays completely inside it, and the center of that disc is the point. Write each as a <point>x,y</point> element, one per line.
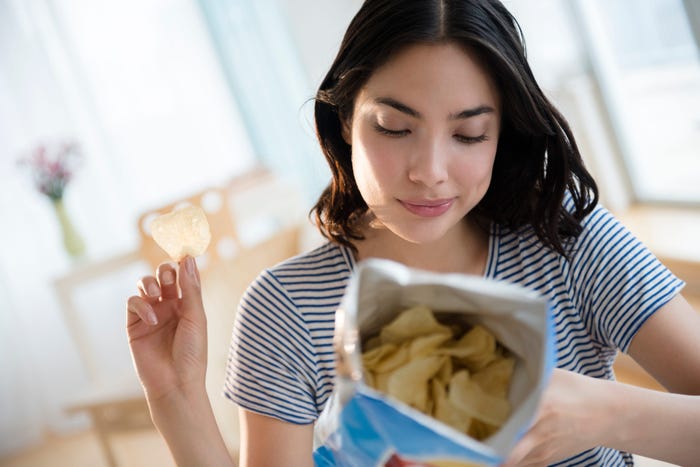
<point>537,160</point>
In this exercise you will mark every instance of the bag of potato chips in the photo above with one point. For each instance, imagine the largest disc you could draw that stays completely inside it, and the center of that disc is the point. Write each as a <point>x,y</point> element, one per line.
<point>432,369</point>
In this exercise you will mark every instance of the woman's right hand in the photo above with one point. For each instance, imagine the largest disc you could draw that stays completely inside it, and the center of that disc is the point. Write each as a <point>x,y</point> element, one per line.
<point>167,330</point>
<point>170,355</point>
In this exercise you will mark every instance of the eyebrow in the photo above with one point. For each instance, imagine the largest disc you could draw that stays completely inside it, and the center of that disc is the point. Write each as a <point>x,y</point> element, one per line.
<point>403,108</point>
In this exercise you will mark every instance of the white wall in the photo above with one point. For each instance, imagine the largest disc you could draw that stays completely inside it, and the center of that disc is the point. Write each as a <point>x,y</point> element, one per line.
<point>553,47</point>
<point>318,27</point>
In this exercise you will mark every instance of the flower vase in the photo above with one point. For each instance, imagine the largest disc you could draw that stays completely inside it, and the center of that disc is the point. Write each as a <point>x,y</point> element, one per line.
<point>72,241</point>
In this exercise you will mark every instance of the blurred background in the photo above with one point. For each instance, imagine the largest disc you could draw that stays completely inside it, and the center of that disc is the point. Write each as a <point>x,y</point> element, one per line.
<point>113,111</point>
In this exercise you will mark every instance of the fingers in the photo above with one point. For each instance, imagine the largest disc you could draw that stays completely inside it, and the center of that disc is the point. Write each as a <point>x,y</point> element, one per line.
<point>138,308</point>
<point>190,284</point>
<point>151,291</point>
<point>167,279</point>
<point>164,287</point>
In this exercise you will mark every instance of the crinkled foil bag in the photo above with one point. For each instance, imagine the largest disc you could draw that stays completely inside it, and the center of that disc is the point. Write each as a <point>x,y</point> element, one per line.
<point>362,427</point>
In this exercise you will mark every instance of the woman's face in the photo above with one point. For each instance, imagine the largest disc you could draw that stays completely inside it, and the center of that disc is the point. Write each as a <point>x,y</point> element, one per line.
<point>424,132</point>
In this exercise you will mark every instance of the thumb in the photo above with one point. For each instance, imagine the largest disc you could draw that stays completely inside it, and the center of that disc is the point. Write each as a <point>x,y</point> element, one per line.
<point>190,286</point>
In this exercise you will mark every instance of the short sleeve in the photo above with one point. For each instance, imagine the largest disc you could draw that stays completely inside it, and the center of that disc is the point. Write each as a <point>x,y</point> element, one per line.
<point>620,282</point>
<point>271,368</point>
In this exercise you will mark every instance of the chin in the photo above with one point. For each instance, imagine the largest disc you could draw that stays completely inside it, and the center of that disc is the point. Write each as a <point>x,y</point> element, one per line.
<point>421,236</point>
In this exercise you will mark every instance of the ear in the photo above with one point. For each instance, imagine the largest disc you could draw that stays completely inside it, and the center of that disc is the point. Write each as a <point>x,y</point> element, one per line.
<point>346,130</point>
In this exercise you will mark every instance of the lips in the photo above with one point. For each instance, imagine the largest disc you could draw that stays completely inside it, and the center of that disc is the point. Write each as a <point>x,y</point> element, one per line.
<point>428,208</point>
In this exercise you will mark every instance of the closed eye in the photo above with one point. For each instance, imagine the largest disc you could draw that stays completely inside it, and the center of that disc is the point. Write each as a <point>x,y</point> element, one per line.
<point>386,131</point>
<point>471,139</point>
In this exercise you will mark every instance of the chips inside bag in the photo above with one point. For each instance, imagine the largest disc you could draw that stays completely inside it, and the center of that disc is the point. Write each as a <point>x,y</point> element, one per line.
<point>432,369</point>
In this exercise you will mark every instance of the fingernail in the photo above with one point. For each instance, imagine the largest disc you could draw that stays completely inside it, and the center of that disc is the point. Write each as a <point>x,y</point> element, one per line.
<point>168,277</point>
<point>151,317</point>
<point>153,290</point>
<point>191,266</point>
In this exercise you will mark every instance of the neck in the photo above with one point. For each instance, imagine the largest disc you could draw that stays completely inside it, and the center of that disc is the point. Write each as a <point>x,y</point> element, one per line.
<point>463,250</point>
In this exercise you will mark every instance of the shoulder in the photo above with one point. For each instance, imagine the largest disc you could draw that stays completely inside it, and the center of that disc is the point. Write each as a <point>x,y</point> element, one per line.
<point>323,266</point>
<point>287,304</point>
<point>311,273</point>
<point>327,259</point>
<point>598,220</point>
<point>519,251</point>
<point>602,232</point>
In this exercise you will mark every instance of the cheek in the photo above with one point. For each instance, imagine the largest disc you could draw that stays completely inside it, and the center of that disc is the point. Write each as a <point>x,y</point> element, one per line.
<point>364,170</point>
<point>373,154</point>
<point>477,168</point>
<point>370,173</point>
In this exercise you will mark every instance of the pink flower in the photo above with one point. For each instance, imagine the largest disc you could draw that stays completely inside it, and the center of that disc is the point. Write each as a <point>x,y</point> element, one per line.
<point>52,166</point>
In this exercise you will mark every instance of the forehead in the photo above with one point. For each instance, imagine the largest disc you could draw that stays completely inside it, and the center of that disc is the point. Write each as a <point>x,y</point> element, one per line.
<point>433,74</point>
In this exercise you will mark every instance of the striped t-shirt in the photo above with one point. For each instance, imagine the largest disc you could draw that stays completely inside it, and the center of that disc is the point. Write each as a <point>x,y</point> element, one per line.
<point>281,361</point>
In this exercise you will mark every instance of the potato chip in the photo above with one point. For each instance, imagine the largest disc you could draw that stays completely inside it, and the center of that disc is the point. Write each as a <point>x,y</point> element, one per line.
<point>386,357</point>
<point>372,343</point>
<point>480,430</point>
<point>409,384</point>
<point>182,232</point>
<point>495,378</point>
<point>475,350</point>
<point>369,378</point>
<point>463,383</point>
<point>372,358</point>
<point>426,345</point>
<point>381,381</point>
<point>414,322</point>
<point>444,411</point>
<point>468,397</point>
<point>444,375</point>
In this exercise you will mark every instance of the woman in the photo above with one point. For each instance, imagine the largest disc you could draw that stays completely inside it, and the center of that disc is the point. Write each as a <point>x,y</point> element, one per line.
<point>445,156</point>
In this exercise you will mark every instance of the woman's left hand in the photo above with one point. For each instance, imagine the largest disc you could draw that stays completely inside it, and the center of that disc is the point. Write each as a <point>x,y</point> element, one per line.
<point>570,419</point>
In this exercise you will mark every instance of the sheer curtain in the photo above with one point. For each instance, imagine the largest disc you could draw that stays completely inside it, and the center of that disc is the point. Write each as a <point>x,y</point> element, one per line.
<point>138,84</point>
<point>263,67</point>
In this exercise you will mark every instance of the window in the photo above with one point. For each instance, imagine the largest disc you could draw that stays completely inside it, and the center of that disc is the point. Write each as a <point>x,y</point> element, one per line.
<point>152,77</point>
<point>645,60</point>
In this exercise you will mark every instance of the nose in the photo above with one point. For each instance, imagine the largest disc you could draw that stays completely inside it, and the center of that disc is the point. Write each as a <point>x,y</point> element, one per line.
<point>429,163</point>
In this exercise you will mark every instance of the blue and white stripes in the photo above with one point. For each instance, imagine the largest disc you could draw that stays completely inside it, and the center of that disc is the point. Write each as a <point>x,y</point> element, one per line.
<point>281,361</point>
<point>601,297</point>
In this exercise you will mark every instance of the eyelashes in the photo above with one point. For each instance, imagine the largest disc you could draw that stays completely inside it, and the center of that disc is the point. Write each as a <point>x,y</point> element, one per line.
<point>399,133</point>
<point>385,131</point>
<point>471,139</point>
